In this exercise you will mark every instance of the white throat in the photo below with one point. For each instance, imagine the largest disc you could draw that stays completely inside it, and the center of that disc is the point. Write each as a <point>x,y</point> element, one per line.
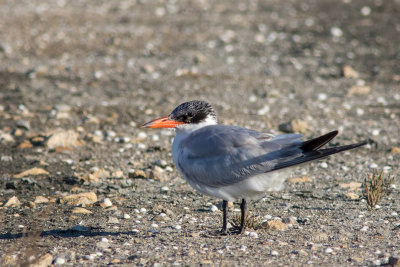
<point>185,129</point>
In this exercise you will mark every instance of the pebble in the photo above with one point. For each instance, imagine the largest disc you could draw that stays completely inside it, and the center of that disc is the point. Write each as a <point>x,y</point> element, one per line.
<point>322,97</point>
<point>69,161</point>
<point>105,203</point>
<point>319,237</point>
<point>110,135</point>
<point>365,10</point>
<point>359,90</point>
<point>147,68</point>
<point>6,137</point>
<point>96,175</point>
<point>351,185</point>
<point>336,32</point>
<point>377,262</point>
<point>33,171</point>
<point>141,146</point>
<point>373,166</point>
<point>113,220</point>
<point>89,257</point>
<point>177,227</point>
<point>289,221</point>
<point>142,210</point>
<point>23,124</point>
<point>161,217</point>
<point>387,168</point>
<point>63,138</point>
<point>243,248</point>
<point>351,195</point>
<point>324,165</point>
<point>117,174</point>
<point>43,261</point>
<point>303,179</point>
<point>376,132</point>
<point>275,225</point>
<point>253,234</point>
<point>7,158</point>
<point>126,216</point>
<point>252,98</point>
<point>263,111</point>
<point>41,199</point>
<point>141,136</point>
<point>395,150</point>
<point>328,250</point>
<point>274,253</point>
<point>79,210</point>
<point>213,208</point>
<point>199,58</point>
<point>364,228</point>
<point>164,189</point>
<point>349,72</point>
<point>162,163</point>
<point>158,174</point>
<point>154,225</point>
<point>169,169</point>
<point>85,198</point>
<point>296,126</point>
<point>12,202</point>
<point>136,174</point>
<point>344,168</point>
<point>59,261</point>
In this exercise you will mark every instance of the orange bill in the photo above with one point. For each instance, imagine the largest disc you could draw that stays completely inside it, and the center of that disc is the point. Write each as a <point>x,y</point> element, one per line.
<point>163,122</point>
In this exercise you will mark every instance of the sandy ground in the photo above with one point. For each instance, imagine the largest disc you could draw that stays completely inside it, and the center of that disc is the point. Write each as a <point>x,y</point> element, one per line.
<point>77,78</point>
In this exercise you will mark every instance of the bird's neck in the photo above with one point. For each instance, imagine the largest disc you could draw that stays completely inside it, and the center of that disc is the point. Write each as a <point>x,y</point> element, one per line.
<point>185,129</point>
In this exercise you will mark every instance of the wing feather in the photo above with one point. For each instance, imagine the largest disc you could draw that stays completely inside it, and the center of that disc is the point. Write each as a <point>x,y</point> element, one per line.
<point>222,155</point>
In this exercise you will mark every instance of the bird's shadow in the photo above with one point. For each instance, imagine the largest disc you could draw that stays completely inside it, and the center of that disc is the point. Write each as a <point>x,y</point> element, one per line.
<point>68,233</point>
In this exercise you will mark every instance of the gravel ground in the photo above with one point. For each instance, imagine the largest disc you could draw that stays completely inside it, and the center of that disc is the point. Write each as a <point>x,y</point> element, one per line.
<point>77,78</point>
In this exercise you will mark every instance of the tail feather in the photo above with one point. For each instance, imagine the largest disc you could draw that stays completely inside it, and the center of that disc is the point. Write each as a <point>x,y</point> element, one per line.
<point>316,154</point>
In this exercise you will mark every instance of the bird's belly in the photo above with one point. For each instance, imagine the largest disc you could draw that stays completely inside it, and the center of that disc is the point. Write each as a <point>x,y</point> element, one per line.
<point>249,189</point>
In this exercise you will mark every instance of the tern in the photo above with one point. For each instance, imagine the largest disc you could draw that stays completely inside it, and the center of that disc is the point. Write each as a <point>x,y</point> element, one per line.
<point>231,162</point>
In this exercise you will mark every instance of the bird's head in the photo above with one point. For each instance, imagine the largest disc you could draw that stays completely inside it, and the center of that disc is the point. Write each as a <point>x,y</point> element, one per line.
<point>189,115</point>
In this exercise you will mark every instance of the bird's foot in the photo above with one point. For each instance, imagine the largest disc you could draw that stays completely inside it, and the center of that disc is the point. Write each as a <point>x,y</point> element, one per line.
<point>224,231</point>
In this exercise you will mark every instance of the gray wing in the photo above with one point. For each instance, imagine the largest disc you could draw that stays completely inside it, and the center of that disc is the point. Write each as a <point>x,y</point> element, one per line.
<point>221,155</point>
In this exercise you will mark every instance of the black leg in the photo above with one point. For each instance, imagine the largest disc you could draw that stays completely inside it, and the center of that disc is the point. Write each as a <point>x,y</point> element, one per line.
<point>224,223</point>
<point>242,219</point>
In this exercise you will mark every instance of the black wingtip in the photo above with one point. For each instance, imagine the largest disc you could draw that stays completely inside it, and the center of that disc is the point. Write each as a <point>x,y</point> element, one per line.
<point>318,142</point>
<point>317,154</point>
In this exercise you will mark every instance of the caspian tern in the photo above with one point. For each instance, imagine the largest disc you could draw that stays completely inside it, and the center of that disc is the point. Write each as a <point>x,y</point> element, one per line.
<point>231,162</point>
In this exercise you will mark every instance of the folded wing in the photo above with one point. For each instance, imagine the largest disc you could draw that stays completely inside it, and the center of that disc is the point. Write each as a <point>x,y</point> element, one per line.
<point>222,155</point>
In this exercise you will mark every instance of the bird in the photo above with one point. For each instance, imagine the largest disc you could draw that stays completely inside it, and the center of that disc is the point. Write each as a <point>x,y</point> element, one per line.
<point>232,162</point>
